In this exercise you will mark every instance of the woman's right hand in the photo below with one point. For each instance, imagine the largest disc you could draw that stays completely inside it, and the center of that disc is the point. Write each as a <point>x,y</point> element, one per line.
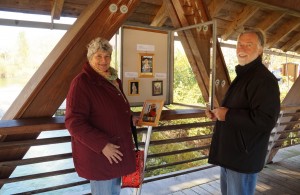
<point>112,153</point>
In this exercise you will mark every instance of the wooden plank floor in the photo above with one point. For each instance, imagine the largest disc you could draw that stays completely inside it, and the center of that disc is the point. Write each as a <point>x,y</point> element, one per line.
<point>279,178</point>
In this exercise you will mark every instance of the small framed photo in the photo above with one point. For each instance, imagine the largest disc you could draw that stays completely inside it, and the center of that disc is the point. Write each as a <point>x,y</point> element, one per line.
<point>157,88</point>
<point>146,64</point>
<point>133,87</point>
<point>151,112</point>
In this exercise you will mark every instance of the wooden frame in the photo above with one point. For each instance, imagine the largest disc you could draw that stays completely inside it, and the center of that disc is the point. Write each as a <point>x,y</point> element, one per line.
<point>151,112</point>
<point>133,87</point>
<point>146,64</point>
<point>157,88</point>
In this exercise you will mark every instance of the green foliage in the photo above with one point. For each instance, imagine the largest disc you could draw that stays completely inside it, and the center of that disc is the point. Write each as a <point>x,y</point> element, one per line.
<point>186,89</point>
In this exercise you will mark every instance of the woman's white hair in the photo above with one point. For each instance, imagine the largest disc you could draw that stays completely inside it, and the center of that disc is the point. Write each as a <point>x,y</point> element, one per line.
<point>98,44</point>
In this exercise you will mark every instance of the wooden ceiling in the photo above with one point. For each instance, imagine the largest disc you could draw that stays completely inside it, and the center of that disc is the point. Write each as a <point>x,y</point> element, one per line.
<point>279,19</point>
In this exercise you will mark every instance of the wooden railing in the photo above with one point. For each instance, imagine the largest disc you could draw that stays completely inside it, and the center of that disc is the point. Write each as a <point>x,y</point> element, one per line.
<point>195,135</point>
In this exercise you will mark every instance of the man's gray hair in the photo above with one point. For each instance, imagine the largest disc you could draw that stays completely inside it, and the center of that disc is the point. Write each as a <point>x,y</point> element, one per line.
<point>260,34</point>
<point>98,44</point>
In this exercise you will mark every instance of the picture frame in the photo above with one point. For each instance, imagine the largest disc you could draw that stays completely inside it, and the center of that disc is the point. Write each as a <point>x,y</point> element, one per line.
<point>157,88</point>
<point>133,87</point>
<point>151,112</point>
<point>146,64</point>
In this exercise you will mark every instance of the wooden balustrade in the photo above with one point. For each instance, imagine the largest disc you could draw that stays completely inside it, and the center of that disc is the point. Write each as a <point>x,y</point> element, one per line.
<point>10,127</point>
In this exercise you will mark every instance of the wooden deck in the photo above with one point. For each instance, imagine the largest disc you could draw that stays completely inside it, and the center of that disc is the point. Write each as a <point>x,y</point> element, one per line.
<point>280,177</point>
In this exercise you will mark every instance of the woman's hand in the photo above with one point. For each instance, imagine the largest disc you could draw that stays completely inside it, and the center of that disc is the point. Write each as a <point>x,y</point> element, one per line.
<point>135,120</point>
<point>112,153</point>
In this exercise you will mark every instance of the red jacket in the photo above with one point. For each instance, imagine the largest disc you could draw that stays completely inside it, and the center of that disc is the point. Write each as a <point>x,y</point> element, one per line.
<point>98,113</point>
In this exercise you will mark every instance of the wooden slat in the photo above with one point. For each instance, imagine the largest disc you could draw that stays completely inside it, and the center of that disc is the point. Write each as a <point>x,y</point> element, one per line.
<point>31,125</point>
<point>34,142</point>
<point>28,161</point>
<point>36,176</point>
<point>57,9</point>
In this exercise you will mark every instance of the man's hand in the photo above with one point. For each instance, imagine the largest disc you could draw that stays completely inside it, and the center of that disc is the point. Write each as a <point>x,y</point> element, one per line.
<point>210,114</point>
<point>220,113</point>
<point>112,153</point>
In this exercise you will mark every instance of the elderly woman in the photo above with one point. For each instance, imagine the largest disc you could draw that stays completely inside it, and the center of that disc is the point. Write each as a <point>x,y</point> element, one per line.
<point>98,118</point>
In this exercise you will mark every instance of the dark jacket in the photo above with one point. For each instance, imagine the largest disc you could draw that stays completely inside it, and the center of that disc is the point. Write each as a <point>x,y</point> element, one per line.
<point>240,142</point>
<point>98,113</point>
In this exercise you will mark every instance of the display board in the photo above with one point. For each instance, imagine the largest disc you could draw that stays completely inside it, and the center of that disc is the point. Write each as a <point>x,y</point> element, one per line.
<point>144,64</point>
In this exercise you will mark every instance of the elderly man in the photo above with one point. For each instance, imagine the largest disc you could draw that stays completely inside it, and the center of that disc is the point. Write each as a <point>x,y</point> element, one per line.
<point>246,118</point>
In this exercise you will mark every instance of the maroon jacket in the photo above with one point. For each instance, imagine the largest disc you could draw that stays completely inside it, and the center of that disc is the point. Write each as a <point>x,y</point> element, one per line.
<point>98,113</point>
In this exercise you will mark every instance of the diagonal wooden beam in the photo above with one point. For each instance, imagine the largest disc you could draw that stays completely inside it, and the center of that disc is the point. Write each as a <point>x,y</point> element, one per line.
<point>215,6</point>
<point>47,88</point>
<point>287,27</point>
<point>160,17</point>
<point>240,20</point>
<point>57,9</point>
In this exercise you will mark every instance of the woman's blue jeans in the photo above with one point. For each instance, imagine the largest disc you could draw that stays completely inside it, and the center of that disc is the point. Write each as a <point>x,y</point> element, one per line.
<point>235,183</point>
<point>106,187</point>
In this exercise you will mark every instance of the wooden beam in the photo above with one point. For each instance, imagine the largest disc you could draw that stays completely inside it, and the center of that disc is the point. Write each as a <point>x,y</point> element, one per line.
<point>47,88</point>
<point>240,20</point>
<point>56,10</point>
<point>160,17</point>
<point>287,27</point>
<point>269,21</point>
<point>215,6</point>
<point>286,4</point>
<point>281,6</point>
<point>292,43</point>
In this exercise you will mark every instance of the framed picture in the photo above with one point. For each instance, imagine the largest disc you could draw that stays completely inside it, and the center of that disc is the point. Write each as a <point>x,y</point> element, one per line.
<point>146,64</point>
<point>151,112</point>
<point>157,88</point>
<point>133,87</point>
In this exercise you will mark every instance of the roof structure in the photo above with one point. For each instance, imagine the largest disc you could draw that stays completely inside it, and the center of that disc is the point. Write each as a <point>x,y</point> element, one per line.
<point>279,19</point>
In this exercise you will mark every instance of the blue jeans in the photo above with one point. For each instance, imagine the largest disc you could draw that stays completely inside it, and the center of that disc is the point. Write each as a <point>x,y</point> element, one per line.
<point>106,187</point>
<point>235,183</point>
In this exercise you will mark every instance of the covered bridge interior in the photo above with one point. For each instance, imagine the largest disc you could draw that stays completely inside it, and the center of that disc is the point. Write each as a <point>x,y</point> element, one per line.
<point>32,111</point>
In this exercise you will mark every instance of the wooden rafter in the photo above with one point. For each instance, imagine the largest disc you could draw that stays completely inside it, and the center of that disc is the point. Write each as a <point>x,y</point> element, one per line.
<point>292,43</point>
<point>240,20</point>
<point>215,6</point>
<point>270,20</point>
<point>287,27</point>
<point>56,10</point>
<point>161,16</point>
<point>275,5</point>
